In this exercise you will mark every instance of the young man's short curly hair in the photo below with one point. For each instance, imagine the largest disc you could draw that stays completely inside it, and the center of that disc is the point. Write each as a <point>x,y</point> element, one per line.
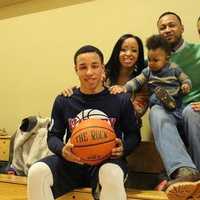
<point>158,41</point>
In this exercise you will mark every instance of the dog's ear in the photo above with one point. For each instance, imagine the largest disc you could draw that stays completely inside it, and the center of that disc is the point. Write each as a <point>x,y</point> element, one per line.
<point>28,123</point>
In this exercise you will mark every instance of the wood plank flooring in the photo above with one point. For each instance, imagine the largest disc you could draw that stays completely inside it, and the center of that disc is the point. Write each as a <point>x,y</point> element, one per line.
<point>14,188</point>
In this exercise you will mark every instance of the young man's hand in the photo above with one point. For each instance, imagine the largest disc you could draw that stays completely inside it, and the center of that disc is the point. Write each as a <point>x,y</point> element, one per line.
<point>118,151</point>
<point>68,154</point>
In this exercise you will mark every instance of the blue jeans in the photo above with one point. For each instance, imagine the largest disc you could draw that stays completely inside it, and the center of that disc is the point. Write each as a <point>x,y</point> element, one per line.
<point>192,133</point>
<point>169,141</point>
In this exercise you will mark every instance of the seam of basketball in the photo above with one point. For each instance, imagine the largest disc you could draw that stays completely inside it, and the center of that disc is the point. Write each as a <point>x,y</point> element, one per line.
<point>88,145</point>
<point>74,133</point>
<point>100,159</point>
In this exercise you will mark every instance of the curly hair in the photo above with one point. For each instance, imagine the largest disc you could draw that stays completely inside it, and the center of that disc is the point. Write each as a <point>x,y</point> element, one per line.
<point>158,41</point>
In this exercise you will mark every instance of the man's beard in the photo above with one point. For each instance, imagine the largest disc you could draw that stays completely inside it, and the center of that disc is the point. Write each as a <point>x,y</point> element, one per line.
<point>175,45</point>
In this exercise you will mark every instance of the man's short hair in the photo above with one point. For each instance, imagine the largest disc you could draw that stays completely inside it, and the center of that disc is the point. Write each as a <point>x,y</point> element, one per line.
<point>170,13</point>
<point>89,49</point>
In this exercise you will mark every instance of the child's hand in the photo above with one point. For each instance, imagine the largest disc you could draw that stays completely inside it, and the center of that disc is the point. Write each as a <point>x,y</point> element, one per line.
<point>185,88</point>
<point>117,89</point>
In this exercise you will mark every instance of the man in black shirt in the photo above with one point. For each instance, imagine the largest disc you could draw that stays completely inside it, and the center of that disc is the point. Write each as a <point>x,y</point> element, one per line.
<point>58,174</point>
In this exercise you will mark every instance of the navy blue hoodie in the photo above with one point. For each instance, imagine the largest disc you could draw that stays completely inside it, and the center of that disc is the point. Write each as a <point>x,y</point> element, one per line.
<point>118,108</point>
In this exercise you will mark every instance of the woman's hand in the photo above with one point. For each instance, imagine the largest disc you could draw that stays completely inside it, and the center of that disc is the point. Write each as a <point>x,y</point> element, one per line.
<point>67,92</point>
<point>118,151</point>
<point>196,106</point>
<point>117,89</point>
<point>68,154</point>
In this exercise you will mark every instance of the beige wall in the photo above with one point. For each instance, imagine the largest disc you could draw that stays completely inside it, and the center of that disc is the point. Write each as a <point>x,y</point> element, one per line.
<point>38,40</point>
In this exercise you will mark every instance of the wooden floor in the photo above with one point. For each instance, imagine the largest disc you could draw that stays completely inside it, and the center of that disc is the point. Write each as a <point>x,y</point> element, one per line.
<point>14,188</point>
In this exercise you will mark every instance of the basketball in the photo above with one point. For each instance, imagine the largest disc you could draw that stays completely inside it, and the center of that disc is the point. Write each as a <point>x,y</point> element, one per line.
<point>91,114</point>
<point>93,140</point>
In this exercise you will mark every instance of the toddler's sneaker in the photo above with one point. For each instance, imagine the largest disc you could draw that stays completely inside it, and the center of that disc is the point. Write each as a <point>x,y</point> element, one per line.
<point>166,99</point>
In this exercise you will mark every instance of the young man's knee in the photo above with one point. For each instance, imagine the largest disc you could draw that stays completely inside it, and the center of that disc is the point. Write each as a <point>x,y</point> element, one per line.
<point>111,174</point>
<point>39,170</point>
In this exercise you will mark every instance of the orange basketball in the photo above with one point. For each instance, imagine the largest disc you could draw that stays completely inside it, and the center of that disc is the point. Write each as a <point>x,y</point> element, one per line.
<point>93,140</point>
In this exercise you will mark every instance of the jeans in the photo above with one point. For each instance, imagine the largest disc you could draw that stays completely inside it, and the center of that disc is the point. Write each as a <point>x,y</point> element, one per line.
<point>192,133</point>
<point>169,141</point>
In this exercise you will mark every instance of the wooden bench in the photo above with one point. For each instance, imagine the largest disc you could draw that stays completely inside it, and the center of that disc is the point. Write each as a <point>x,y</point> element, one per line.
<point>144,160</point>
<point>85,194</point>
<point>14,187</point>
<point>144,164</point>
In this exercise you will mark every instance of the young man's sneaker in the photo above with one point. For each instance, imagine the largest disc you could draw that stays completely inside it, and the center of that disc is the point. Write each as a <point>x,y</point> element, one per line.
<point>165,98</point>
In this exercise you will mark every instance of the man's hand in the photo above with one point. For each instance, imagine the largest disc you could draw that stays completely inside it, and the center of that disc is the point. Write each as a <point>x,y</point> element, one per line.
<point>117,89</point>
<point>196,106</point>
<point>68,155</point>
<point>118,151</point>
